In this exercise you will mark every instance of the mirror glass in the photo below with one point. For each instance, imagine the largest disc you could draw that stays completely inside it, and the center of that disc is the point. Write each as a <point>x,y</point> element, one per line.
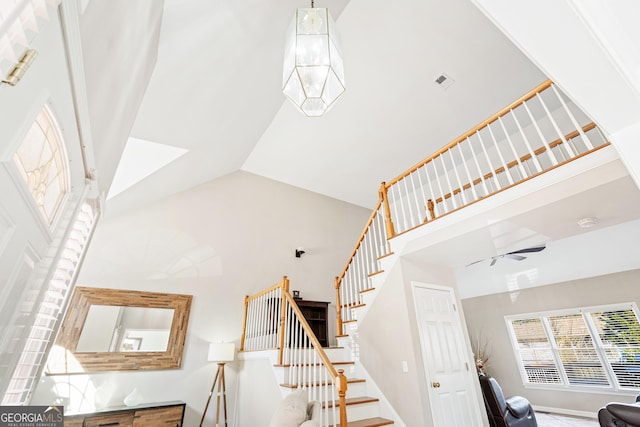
<point>120,330</point>
<point>110,328</point>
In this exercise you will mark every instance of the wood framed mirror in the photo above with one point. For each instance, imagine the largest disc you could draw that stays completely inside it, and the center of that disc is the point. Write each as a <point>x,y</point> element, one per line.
<point>120,330</point>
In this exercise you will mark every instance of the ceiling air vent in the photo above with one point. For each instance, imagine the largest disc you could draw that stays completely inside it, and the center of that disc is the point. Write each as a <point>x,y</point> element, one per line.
<point>444,81</point>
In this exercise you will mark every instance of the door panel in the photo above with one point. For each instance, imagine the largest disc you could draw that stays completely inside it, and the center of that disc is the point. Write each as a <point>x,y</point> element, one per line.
<point>449,378</point>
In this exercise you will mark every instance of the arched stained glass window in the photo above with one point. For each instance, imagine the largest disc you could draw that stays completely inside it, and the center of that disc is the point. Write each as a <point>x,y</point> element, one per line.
<point>43,164</point>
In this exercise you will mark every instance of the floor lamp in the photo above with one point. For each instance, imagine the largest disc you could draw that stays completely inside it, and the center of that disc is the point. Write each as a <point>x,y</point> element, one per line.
<point>220,353</point>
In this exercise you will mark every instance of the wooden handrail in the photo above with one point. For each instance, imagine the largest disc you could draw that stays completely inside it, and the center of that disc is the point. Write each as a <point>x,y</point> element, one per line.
<point>360,239</point>
<point>542,86</point>
<point>266,291</point>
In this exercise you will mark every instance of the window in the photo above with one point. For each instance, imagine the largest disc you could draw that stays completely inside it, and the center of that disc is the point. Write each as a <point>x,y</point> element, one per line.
<point>43,165</point>
<point>46,316</point>
<point>586,347</point>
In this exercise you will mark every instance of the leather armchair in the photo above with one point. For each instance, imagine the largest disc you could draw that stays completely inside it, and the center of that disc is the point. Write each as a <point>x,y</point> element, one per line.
<point>617,414</point>
<point>515,411</point>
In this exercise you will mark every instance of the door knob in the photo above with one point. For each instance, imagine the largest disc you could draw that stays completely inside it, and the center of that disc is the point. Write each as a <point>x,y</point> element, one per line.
<point>435,384</point>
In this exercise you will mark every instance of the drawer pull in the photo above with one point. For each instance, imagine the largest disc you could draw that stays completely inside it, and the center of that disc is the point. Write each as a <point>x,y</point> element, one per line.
<point>115,423</point>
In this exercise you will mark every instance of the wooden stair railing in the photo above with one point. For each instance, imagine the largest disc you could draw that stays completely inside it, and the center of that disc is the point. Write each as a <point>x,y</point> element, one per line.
<point>272,319</point>
<point>538,132</point>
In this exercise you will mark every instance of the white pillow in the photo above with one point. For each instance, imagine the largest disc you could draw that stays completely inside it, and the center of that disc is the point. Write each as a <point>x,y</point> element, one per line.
<point>292,410</point>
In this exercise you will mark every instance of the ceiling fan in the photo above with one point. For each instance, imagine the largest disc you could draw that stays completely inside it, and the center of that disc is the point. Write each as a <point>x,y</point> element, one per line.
<point>515,255</point>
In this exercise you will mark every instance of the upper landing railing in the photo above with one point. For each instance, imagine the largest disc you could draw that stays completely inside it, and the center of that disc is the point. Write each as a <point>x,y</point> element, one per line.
<point>537,133</point>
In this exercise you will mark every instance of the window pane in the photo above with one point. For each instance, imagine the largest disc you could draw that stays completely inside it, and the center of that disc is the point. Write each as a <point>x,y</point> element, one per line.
<point>43,165</point>
<point>619,333</point>
<point>576,350</point>
<point>535,351</point>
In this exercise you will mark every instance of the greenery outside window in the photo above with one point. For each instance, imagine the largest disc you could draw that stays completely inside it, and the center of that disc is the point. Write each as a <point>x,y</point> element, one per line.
<point>595,347</point>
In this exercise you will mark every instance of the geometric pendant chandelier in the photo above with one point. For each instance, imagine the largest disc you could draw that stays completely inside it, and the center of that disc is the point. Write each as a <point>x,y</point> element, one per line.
<point>313,73</point>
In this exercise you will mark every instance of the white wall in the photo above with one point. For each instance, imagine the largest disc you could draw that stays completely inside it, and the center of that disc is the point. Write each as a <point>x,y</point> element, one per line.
<point>389,335</point>
<point>485,318</point>
<point>218,242</point>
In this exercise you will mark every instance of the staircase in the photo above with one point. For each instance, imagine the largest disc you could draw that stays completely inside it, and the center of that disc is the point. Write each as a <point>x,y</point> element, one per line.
<point>536,134</point>
<point>363,409</point>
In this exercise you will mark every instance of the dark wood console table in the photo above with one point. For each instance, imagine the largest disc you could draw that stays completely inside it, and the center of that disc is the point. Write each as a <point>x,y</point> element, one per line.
<point>161,414</point>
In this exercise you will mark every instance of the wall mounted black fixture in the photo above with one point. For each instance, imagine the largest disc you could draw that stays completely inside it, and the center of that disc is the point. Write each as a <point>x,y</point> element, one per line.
<point>299,252</point>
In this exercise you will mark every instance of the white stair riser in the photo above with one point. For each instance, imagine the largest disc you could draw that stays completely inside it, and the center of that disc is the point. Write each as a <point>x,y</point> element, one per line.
<point>362,411</point>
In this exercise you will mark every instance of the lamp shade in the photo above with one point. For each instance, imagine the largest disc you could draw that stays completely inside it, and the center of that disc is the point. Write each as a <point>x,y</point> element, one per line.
<point>221,352</point>
<point>313,72</point>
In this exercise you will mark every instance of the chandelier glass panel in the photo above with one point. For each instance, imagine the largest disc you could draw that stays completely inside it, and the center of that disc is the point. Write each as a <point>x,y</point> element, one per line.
<point>313,76</point>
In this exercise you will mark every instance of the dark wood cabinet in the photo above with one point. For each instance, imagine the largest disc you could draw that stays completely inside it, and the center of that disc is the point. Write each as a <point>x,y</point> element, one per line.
<point>315,313</point>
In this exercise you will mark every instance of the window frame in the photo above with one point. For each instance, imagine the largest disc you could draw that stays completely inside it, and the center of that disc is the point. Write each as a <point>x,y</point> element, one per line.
<point>564,384</point>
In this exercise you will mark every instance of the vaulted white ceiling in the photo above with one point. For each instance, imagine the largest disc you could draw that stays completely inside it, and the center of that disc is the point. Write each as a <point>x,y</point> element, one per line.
<point>216,92</point>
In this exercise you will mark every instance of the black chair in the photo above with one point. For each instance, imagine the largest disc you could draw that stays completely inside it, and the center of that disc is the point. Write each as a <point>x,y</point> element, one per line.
<point>515,411</point>
<point>617,414</point>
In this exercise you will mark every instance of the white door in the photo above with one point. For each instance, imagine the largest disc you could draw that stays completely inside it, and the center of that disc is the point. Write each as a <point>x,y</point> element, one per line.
<point>450,378</point>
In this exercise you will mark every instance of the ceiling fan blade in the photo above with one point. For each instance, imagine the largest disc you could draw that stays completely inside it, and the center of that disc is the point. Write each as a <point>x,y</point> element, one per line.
<point>515,257</point>
<point>528,250</point>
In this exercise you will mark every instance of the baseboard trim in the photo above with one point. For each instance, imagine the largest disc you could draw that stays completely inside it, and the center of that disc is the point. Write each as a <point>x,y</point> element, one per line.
<point>564,411</point>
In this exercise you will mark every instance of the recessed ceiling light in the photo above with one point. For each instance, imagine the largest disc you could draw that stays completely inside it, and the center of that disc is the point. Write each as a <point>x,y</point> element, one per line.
<point>587,222</point>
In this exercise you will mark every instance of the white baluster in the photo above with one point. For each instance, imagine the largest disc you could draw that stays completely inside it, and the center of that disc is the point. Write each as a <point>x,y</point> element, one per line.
<point>455,171</point>
<point>449,186</point>
<point>556,127</point>
<point>552,156</point>
<point>489,163</point>
<point>419,220</point>
<point>585,138</point>
<point>480,173</point>
<point>444,202</point>
<point>394,204</point>
<point>516,156</point>
<point>424,196</point>
<point>409,215</point>
<point>504,164</point>
<point>466,169</point>
<point>431,192</point>
<point>532,153</point>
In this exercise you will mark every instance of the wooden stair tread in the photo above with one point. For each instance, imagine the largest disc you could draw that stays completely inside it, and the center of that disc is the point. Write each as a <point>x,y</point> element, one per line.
<point>352,401</point>
<point>370,422</point>
<point>323,383</point>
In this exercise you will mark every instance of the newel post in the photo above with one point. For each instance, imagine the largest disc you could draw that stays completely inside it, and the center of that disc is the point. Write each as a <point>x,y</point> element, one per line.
<point>342,392</point>
<point>387,211</point>
<point>244,322</point>
<point>337,282</point>
<point>283,316</point>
